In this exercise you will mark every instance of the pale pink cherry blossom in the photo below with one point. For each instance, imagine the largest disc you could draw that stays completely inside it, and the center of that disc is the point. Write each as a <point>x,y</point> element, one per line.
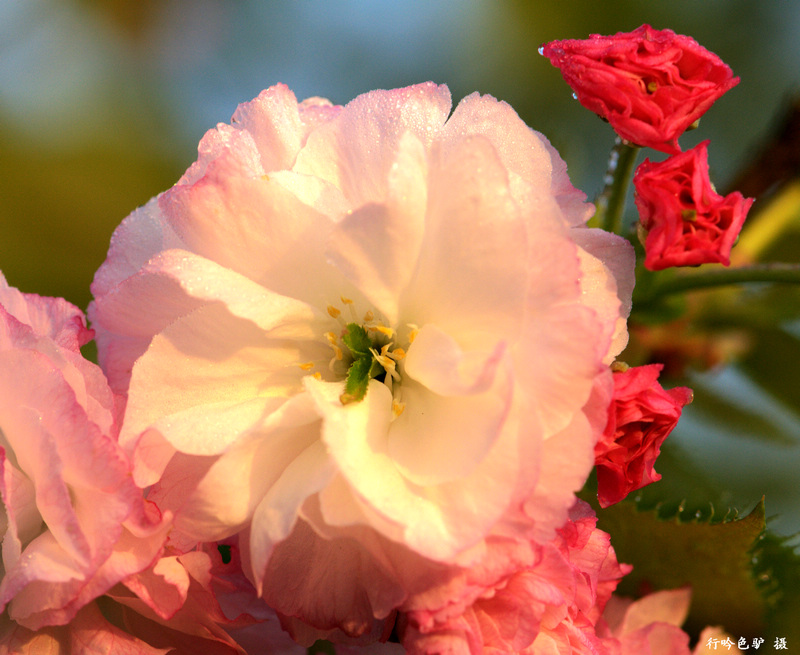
<point>490,311</point>
<point>73,522</point>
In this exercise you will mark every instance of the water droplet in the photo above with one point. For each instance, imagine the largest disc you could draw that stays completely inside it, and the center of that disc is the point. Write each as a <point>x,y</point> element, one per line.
<point>574,96</point>
<point>698,514</point>
<point>541,50</point>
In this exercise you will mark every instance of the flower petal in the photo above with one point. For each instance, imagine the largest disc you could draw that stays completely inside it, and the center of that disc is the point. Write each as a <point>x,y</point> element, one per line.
<point>229,490</point>
<point>356,150</point>
<point>463,283</point>
<point>537,174</point>
<point>216,364</point>
<point>377,245</point>
<point>607,263</point>
<point>277,513</point>
<point>438,520</point>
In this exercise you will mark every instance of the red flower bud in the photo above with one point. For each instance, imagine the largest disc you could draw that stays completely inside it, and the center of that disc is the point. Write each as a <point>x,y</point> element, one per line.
<point>651,85</point>
<point>640,417</point>
<point>686,221</point>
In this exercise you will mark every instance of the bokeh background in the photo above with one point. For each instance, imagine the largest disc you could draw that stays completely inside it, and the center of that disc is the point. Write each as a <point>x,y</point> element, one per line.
<point>102,103</point>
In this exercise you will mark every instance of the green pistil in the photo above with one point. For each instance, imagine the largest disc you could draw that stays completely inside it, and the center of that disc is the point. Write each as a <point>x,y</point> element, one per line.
<point>364,367</point>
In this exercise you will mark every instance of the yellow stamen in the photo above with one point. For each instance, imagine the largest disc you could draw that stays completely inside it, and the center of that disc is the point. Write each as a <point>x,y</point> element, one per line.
<point>413,334</point>
<point>397,408</point>
<point>317,375</point>
<point>346,301</point>
<point>307,366</point>
<point>387,362</point>
<point>389,332</point>
<point>397,353</point>
<point>369,317</point>
<point>333,311</point>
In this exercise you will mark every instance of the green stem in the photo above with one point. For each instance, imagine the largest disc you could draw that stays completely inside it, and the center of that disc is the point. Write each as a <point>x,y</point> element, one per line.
<point>776,272</point>
<point>611,201</point>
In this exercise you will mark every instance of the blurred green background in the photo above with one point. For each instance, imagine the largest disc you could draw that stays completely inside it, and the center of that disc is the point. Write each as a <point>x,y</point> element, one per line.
<point>102,103</point>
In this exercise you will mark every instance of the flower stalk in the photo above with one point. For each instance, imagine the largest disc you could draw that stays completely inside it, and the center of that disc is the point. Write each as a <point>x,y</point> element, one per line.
<point>611,200</point>
<point>772,272</point>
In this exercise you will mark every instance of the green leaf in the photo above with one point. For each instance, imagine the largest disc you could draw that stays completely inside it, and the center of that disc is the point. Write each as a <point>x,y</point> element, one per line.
<point>355,387</point>
<point>715,559</point>
<point>357,340</point>
<point>777,569</point>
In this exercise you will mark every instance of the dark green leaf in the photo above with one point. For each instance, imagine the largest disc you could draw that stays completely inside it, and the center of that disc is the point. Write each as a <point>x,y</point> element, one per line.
<point>357,340</point>
<point>777,569</point>
<point>355,387</point>
<point>715,559</point>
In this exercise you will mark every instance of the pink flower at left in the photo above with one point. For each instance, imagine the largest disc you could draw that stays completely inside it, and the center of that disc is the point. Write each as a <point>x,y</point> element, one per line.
<point>73,522</point>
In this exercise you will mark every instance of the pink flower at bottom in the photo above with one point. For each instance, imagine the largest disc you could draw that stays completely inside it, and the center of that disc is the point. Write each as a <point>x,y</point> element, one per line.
<point>686,221</point>
<point>522,597</point>
<point>196,603</point>
<point>640,417</point>
<point>88,633</point>
<point>652,626</point>
<point>185,604</point>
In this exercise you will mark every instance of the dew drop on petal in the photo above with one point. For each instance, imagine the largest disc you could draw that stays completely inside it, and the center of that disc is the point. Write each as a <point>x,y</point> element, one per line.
<point>541,50</point>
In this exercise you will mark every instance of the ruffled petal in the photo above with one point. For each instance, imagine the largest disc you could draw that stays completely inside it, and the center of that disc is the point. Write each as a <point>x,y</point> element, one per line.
<point>463,283</point>
<point>377,245</point>
<point>356,150</point>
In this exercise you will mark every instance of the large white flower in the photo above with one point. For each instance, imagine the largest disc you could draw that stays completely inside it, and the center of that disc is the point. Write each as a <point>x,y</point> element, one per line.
<point>365,317</point>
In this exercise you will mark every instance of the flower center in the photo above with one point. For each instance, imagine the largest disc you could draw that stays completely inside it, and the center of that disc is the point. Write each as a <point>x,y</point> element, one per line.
<point>364,349</point>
